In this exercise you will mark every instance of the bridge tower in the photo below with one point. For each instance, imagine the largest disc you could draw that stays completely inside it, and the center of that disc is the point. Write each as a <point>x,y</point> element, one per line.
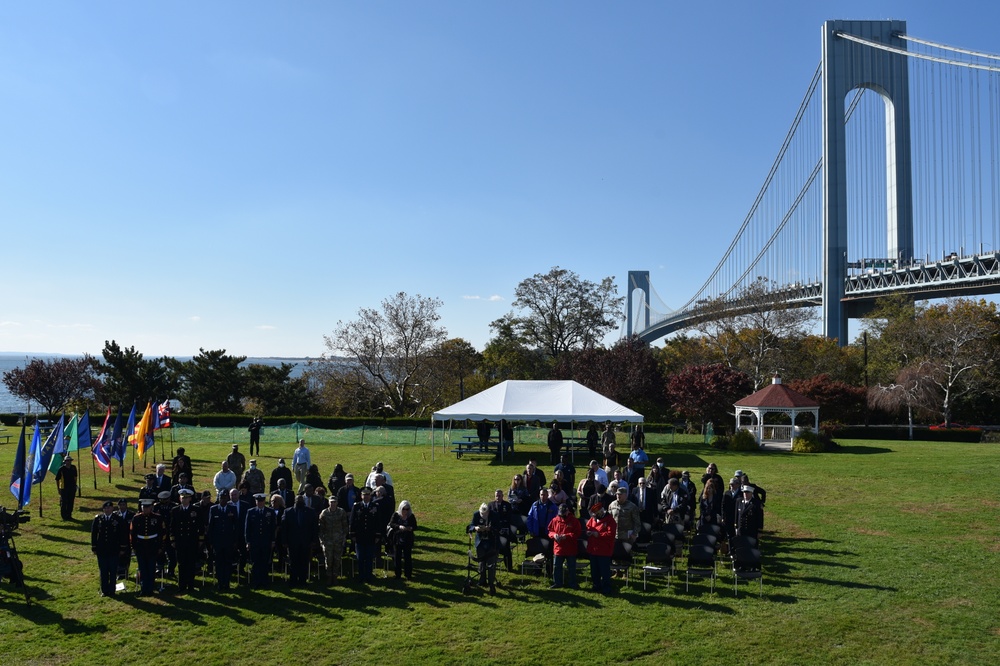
<point>847,65</point>
<point>637,280</point>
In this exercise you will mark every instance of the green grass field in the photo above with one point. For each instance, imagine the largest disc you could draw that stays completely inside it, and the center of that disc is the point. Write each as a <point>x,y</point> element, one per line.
<point>883,553</point>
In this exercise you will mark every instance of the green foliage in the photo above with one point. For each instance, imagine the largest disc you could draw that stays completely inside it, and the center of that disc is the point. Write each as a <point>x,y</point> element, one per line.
<point>213,382</point>
<point>128,377</point>
<point>720,442</point>
<point>807,442</point>
<point>743,440</point>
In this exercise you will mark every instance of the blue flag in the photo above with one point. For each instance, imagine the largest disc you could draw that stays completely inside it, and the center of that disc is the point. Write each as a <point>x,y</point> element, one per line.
<point>19,475</point>
<point>118,438</point>
<point>29,463</point>
<point>83,431</point>
<point>129,430</point>
<point>53,444</point>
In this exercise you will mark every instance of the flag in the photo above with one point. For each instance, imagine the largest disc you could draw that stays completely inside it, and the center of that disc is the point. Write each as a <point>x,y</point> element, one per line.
<point>142,439</point>
<point>118,437</point>
<point>53,443</point>
<point>19,475</point>
<point>61,449</point>
<point>29,463</point>
<point>129,430</point>
<point>83,431</point>
<point>102,447</point>
<point>156,416</point>
<point>164,414</point>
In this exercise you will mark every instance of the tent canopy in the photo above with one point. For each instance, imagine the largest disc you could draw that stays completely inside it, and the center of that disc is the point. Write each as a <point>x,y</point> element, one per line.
<point>529,400</point>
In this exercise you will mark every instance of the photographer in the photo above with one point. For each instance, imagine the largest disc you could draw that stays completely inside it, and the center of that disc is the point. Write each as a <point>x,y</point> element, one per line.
<point>10,564</point>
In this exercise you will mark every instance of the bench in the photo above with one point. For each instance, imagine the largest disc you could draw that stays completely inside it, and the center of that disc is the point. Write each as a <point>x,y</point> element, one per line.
<point>471,444</point>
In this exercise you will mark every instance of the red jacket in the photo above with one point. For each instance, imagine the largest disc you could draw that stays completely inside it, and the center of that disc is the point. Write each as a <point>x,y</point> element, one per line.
<point>568,527</point>
<point>604,543</point>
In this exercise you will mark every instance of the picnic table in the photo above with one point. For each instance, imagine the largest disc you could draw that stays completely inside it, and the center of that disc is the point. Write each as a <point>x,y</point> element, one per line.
<point>471,444</point>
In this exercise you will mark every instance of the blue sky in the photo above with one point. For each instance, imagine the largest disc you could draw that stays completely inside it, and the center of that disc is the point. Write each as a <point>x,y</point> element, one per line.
<point>244,175</point>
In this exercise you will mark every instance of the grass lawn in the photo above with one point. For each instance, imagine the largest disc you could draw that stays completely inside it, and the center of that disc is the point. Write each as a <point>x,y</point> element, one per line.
<point>883,553</point>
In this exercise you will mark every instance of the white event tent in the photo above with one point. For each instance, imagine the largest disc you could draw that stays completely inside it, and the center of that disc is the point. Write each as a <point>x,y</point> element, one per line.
<point>537,400</point>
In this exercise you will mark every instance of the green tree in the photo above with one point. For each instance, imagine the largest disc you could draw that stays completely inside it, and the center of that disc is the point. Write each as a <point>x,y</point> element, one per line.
<point>212,382</point>
<point>54,383</point>
<point>269,389</point>
<point>388,350</point>
<point>449,366</point>
<point>708,392</point>
<point>559,311</point>
<point>128,377</point>
<point>506,356</point>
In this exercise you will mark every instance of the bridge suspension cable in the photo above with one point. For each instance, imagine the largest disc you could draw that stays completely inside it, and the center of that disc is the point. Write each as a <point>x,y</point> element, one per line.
<point>915,54</point>
<point>946,47</point>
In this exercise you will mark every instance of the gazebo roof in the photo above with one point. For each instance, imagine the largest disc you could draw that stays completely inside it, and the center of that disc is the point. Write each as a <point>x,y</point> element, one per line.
<point>777,395</point>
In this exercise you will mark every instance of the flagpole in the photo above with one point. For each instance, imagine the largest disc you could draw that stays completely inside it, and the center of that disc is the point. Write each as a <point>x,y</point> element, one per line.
<point>93,464</point>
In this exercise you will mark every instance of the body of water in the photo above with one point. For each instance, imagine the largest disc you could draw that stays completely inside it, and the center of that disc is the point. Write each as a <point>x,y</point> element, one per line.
<point>11,360</point>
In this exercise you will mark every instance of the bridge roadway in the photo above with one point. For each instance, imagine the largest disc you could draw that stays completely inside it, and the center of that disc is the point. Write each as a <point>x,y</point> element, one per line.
<point>953,276</point>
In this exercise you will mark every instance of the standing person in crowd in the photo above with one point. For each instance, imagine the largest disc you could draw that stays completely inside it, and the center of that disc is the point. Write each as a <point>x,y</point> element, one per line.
<point>587,487</point>
<point>402,525</point>
<point>181,465</point>
<point>186,530</point>
<point>749,514</point>
<point>729,501</point>
<point>626,515</point>
<point>333,530</point>
<point>280,472</point>
<point>611,460</point>
<point>709,507</point>
<point>162,482</point>
<point>607,439</point>
<point>336,480</point>
<point>259,532</point>
<point>182,484</point>
<point>555,442</point>
<point>222,535</point>
<point>166,561</point>
<point>541,514</point>
<point>364,521</point>
<point>593,440</point>
<point>483,430</point>
<point>504,512</point>
<point>149,491</point>
<point>556,493</point>
<point>348,495</point>
<point>224,481</point>
<point>286,494</point>
<point>254,478</point>
<point>66,479</point>
<point>313,477</point>
<point>126,515</point>
<point>518,495</point>
<point>601,531</point>
<point>242,507</point>
<point>638,455</point>
<point>485,531</point>
<point>565,532</point>
<point>254,430</point>
<point>506,436</point>
<point>237,462</point>
<point>147,536</point>
<point>301,461</point>
<point>378,468</point>
<point>299,526</point>
<point>647,501</point>
<point>637,440</point>
<point>106,544</point>
<point>534,479</point>
<point>568,471</point>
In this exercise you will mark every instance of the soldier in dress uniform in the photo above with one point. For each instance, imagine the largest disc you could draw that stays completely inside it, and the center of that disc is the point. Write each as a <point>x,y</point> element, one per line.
<point>185,533</point>
<point>299,526</point>
<point>149,490</point>
<point>147,537</point>
<point>167,560</point>
<point>222,534</point>
<point>364,529</point>
<point>126,515</point>
<point>261,525</point>
<point>106,543</point>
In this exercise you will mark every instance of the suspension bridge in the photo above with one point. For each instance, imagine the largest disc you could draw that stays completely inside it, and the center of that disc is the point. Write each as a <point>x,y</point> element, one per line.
<point>888,181</point>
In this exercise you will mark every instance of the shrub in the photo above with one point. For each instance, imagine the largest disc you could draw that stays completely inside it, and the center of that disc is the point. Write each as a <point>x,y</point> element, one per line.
<point>720,442</point>
<point>743,441</point>
<point>807,442</point>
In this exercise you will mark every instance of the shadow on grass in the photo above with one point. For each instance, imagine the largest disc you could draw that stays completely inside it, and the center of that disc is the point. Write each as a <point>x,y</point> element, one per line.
<point>37,613</point>
<point>863,450</point>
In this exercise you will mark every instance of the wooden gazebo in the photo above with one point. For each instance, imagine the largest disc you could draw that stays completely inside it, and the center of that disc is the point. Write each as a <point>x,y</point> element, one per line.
<point>775,399</point>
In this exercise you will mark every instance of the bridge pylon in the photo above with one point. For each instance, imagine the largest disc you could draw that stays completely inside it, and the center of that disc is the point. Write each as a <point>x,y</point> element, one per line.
<point>637,280</point>
<point>848,65</point>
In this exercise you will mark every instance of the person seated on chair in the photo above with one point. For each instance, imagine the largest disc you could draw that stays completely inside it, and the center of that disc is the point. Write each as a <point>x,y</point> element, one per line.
<point>626,515</point>
<point>565,532</point>
<point>486,531</point>
<point>541,514</point>
<point>503,511</point>
<point>518,495</point>
<point>600,532</point>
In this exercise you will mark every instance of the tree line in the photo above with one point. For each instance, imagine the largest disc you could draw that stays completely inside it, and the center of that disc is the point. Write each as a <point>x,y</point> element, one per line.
<point>913,362</point>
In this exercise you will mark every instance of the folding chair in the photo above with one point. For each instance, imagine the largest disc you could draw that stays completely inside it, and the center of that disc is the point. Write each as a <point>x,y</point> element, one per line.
<point>747,566</point>
<point>536,556</point>
<point>713,529</point>
<point>701,564</point>
<point>621,560</point>
<point>659,562</point>
<point>678,532</point>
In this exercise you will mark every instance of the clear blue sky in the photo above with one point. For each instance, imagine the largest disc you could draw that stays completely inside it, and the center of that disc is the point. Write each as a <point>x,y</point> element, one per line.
<point>242,175</point>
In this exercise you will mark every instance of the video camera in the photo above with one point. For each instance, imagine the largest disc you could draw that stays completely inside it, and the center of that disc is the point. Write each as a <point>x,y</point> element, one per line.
<point>10,520</point>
